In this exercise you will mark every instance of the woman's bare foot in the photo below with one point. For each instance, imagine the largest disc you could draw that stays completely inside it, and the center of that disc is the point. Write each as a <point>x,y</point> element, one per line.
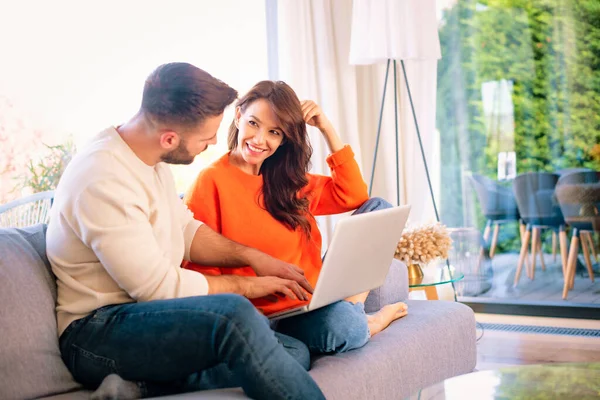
<point>382,318</point>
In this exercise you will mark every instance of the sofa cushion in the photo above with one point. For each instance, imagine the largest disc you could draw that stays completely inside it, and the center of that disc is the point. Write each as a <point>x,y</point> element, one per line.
<point>30,363</point>
<point>394,289</point>
<point>435,341</point>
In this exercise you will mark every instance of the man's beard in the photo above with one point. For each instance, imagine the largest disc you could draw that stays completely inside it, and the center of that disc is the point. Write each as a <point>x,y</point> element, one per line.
<point>180,155</point>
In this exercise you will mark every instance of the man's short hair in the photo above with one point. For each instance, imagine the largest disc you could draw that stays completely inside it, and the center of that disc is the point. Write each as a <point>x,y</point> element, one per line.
<point>180,94</point>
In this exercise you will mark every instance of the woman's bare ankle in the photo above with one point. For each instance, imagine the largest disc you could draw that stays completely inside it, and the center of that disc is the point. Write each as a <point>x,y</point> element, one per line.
<point>358,298</point>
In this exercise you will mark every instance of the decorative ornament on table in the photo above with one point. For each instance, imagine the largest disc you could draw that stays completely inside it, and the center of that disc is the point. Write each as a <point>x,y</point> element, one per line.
<point>420,245</point>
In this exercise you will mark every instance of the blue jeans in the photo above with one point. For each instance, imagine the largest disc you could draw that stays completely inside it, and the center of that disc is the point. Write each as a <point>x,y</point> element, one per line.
<point>338,327</point>
<point>181,344</point>
<point>335,328</point>
<point>373,204</point>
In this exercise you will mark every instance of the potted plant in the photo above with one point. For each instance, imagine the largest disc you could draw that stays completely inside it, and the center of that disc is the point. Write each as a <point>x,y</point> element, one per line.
<point>420,245</point>
<point>45,174</point>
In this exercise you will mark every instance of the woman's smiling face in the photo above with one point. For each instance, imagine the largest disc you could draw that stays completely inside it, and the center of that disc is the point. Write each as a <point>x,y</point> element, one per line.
<point>259,134</point>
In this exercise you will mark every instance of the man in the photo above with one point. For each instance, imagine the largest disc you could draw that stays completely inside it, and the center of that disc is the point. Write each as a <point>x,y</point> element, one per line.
<point>117,235</point>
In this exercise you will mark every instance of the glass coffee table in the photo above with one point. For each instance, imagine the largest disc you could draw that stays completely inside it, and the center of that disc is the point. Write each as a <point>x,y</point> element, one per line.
<point>433,276</point>
<point>580,381</point>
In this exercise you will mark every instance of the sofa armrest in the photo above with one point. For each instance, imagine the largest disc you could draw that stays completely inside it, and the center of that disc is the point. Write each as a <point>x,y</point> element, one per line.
<point>394,289</point>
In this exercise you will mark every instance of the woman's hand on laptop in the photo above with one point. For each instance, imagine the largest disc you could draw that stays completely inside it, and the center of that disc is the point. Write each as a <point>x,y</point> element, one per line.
<point>265,265</point>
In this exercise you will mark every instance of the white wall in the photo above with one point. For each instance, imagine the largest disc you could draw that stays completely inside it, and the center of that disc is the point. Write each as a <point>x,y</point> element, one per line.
<point>75,67</point>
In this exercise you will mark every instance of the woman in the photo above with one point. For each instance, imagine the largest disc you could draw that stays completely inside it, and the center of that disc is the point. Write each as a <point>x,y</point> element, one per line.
<point>260,194</point>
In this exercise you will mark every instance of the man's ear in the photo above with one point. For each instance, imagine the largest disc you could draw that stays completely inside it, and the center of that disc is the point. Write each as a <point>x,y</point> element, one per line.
<point>169,140</point>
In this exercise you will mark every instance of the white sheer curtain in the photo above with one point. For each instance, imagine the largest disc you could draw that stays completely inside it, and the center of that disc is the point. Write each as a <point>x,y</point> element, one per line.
<point>314,39</point>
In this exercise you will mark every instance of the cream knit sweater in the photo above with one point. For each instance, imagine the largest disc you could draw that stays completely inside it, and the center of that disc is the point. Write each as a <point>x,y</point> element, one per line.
<point>118,232</point>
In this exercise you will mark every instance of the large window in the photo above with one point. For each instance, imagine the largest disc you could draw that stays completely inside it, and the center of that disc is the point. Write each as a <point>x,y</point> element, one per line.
<point>518,112</point>
<point>71,68</point>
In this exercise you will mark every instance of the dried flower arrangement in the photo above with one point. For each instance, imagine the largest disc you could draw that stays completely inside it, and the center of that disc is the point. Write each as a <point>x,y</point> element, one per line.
<point>423,244</point>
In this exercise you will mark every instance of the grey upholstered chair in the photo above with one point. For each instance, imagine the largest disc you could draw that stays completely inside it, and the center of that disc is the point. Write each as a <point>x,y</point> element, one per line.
<point>569,171</point>
<point>578,195</point>
<point>498,205</point>
<point>538,208</point>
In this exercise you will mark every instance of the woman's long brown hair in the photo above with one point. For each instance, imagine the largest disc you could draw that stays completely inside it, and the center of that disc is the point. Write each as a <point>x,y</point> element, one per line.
<point>284,172</point>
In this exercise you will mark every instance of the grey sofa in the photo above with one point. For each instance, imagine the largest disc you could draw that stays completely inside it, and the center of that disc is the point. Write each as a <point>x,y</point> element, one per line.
<point>434,342</point>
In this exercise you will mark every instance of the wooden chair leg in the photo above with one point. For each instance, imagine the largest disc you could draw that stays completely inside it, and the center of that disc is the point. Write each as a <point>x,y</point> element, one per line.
<point>541,251</point>
<point>586,254</point>
<point>479,261</point>
<point>571,264</point>
<point>592,246</point>
<point>431,293</point>
<point>522,230</point>
<point>563,250</point>
<point>523,254</point>
<point>494,240</point>
<point>534,249</point>
<point>486,232</point>
<point>576,233</point>
<point>553,246</point>
<point>486,236</point>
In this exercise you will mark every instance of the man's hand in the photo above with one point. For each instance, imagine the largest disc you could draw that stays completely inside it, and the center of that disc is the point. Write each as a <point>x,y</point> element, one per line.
<point>265,265</point>
<point>211,248</point>
<point>254,287</point>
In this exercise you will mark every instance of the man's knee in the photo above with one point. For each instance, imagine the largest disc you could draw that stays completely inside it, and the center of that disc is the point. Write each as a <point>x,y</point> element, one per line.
<point>241,313</point>
<point>236,307</point>
<point>222,309</point>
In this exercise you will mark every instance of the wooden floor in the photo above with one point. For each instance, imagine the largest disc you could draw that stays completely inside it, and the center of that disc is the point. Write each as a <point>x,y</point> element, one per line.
<point>547,285</point>
<point>501,349</point>
<point>497,349</point>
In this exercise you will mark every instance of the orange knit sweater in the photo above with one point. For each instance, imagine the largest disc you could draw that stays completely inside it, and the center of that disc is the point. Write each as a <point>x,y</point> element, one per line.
<point>227,200</point>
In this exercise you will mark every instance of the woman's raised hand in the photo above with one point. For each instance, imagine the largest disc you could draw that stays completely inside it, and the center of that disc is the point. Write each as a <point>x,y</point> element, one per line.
<point>314,116</point>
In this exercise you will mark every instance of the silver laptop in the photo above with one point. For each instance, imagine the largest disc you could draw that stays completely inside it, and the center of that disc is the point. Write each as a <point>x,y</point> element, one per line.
<point>358,258</point>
